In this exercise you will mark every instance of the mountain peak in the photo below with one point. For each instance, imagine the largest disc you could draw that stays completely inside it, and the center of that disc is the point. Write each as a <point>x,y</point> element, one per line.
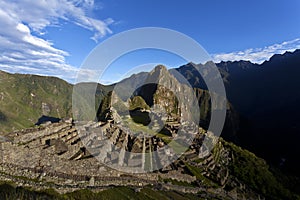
<point>284,56</point>
<point>160,68</point>
<point>157,73</point>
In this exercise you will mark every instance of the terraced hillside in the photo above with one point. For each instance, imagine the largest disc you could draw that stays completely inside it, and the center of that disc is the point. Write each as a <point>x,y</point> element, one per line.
<point>54,157</point>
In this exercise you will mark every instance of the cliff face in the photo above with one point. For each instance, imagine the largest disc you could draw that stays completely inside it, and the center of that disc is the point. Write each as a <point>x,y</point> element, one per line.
<point>158,91</point>
<point>162,89</point>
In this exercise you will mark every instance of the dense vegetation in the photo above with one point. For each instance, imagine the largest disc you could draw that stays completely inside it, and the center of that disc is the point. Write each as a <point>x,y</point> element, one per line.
<point>256,174</point>
<point>138,102</point>
<point>25,98</point>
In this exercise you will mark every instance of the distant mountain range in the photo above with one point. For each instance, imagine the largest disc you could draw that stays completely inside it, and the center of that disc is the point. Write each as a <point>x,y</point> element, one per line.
<point>266,96</point>
<point>262,114</point>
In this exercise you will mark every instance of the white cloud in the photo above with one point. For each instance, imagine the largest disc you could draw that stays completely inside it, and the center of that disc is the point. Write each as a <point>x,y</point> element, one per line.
<point>258,55</point>
<point>23,22</point>
<point>42,13</point>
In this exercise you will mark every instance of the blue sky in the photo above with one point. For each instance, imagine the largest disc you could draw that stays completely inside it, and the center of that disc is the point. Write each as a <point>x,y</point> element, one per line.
<point>54,37</point>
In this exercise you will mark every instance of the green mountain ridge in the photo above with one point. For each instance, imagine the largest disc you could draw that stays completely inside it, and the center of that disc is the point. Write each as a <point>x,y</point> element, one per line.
<point>25,98</point>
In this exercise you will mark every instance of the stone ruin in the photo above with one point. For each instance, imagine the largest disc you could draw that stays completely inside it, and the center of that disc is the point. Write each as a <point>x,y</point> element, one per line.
<point>66,156</point>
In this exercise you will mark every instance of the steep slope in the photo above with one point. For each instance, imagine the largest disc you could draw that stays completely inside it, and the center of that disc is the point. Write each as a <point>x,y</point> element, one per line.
<point>267,86</point>
<point>167,87</point>
<point>266,97</point>
<point>162,88</point>
<point>251,85</point>
<point>25,98</point>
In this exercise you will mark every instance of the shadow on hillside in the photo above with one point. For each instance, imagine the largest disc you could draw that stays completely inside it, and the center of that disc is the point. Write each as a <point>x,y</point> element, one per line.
<point>139,116</point>
<point>44,119</point>
<point>2,117</point>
